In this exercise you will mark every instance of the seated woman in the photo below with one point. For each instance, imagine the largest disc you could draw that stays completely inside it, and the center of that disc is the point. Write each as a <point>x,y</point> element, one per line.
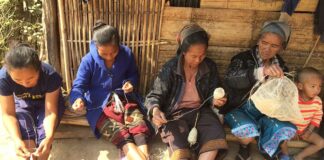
<point>244,71</point>
<point>108,70</point>
<point>31,102</point>
<point>181,94</point>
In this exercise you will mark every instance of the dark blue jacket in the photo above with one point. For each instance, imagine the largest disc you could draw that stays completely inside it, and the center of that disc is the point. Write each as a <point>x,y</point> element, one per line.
<point>95,82</point>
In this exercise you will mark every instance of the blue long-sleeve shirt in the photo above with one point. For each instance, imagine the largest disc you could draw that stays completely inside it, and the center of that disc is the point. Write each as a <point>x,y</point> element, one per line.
<point>95,82</point>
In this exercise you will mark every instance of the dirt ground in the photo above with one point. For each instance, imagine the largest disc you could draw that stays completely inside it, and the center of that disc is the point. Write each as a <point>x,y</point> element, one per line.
<point>93,149</point>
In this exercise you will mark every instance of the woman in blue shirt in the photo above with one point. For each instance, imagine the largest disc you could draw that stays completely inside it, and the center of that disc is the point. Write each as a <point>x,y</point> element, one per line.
<point>31,101</point>
<point>110,67</point>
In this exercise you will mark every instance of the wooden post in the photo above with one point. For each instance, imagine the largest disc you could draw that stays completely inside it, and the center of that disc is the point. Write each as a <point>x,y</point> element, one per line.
<point>51,34</point>
<point>64,45</point>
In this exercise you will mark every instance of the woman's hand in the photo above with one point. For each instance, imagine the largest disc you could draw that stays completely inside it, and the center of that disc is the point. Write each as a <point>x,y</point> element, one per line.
<point>21,150</point>
<point>273,70</point>
<point>44,147</point>
<point>158,117</point>
<point>78,105</point>
<point>128,87</point>
<point>219,102</point>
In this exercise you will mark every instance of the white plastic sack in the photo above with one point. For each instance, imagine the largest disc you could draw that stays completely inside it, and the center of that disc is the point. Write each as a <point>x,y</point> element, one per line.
<point>278,98</point>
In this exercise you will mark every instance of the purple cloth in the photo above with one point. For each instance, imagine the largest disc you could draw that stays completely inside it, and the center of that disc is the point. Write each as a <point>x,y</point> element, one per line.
<point>30,115</point>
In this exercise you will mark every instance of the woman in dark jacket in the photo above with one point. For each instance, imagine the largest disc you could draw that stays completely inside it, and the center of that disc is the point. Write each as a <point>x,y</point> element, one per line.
<point>244,71</point>
<point>182,93</point>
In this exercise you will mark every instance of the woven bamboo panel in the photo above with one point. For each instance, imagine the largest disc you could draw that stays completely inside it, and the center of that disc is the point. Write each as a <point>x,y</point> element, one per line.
<point>138,22</point>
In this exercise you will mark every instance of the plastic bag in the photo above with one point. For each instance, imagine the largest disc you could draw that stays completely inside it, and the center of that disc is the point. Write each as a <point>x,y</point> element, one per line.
<point>278,98</point>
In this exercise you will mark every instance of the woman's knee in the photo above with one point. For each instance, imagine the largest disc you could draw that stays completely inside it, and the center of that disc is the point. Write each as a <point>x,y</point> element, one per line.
<point>246,141</point>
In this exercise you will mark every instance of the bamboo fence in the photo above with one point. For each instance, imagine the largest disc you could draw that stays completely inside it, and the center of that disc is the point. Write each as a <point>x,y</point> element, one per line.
<point>138,22</point>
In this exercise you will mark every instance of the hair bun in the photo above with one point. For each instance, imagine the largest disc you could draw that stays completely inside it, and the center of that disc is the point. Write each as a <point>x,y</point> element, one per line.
<point>22,45</point>
<point>98,24</point>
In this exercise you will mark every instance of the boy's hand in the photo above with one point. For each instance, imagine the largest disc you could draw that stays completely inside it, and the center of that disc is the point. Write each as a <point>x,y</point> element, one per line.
<point>78,105</point>
<point>21,150</point>
<point>219,102</point>
<point>128,87</point>
<point>44,147</point>
<point>158,117</point>
<point>306,134</point>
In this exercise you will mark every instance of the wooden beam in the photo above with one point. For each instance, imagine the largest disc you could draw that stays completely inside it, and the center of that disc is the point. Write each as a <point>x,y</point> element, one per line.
<point>79,121</point>
<point>71,131</point>
<point>51,33</point>
<point>303,6</point>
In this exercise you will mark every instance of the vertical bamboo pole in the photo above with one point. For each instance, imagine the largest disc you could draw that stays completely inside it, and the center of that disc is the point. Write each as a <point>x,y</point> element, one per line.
<point>71,36</point>
<point>64,42</point>
<point>110,9</point>
<point>137,27</point>
<point>95,11</point>
<point>114,13</point>
<point>135,16</point>
<point>160,17</point>
<point>154,33</point>
<point>84,27</point>
<point>79,30</point>
<point>76,30</point>
<point>130,23</point>
<point>105,13</point>
<point>101,11</point>
<point>148,59</point>
<point>119,18</point>
<point>144,42</point>
<point>125,24</point>
<point>90,18</point>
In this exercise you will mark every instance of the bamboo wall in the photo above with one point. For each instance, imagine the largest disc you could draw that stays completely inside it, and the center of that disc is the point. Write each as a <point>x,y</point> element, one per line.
<point>234,26</point>
<point>149,29</point>
<point>138,23</point>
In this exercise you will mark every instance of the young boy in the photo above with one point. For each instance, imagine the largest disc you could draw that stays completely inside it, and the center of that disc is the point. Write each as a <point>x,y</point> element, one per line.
<point>309,84</point>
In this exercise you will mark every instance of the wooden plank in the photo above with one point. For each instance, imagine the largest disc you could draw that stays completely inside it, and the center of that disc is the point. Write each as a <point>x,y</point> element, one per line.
<point>72,131</point>
<point>51,33</point>
<point>222,33</point>
<point>80,121</point>
<point>219,15</point>
<point>221,24</point>
<point>303,6</point>
<point>222,56</point>
<point>237,28</point>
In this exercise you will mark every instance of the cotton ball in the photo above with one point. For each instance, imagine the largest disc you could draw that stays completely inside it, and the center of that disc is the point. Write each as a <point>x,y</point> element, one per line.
<point>219,93</point>
<point>192,137</point>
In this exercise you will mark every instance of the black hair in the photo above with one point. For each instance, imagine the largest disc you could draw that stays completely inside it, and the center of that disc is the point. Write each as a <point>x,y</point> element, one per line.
<point>22,56</point>
<point>105,34</point>
<point>301,73</point>
<point>200,37</point>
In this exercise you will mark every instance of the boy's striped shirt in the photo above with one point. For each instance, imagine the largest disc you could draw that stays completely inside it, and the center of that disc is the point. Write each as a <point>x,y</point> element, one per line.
<point>312,112</point>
